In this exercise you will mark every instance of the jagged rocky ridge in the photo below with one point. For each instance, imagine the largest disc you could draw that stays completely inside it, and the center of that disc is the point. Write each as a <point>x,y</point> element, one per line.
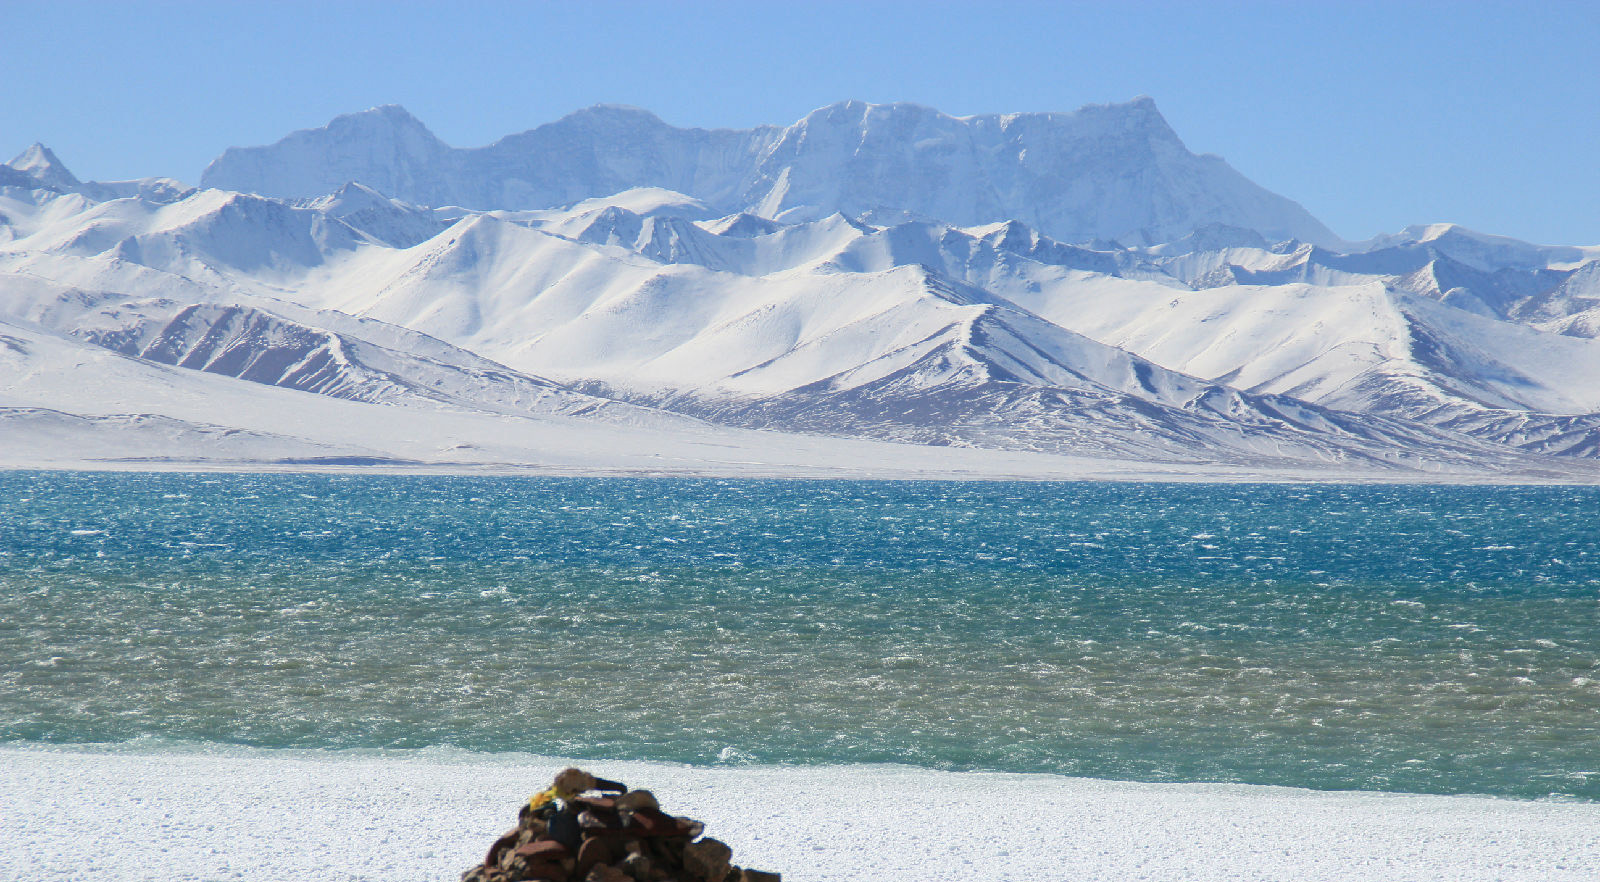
<point>1106,171</point>
<point>1436,349</point>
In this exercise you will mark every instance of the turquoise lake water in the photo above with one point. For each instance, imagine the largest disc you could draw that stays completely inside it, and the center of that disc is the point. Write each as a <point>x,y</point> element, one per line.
<point>1424,639</point>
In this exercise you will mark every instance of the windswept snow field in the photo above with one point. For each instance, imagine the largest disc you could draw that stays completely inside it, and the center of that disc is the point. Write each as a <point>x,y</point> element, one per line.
<point>304,817</point>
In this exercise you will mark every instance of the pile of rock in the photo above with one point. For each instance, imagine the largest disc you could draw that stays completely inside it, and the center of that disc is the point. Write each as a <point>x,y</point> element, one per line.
<point>626,838</point>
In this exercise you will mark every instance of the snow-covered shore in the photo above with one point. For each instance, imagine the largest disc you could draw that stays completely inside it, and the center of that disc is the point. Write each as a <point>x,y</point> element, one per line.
<point>235,813</point>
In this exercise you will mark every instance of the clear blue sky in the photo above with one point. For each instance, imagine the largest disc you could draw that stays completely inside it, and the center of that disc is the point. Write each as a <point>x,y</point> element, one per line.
<point>1372,115</point>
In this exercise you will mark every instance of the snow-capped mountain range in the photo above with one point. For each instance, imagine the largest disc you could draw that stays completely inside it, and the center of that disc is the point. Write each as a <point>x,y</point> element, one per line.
<point>1112,171</point>
<point>876,289</point>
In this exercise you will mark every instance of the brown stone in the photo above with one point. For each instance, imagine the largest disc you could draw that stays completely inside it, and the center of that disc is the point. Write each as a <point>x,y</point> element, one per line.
<point>748,875</point>
<point>595,850</point>
<point>501,845</point>
<point>543,850</point>
<point>666,855</point>
<point>654,823</point>
<point>637,866</point>
<point>543,871</point>
<point>542,859</point>
<point>707,860</point>
<point>483,873</point>
<point>519,868</point>
<point>607,873</point>
<point>634,800</point>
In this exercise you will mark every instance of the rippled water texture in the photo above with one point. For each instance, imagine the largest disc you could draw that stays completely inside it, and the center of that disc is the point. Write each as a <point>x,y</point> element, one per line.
<point>1433,639</point>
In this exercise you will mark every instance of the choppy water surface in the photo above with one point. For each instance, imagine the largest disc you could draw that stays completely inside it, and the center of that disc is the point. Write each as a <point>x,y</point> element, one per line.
<point>1433,639</point>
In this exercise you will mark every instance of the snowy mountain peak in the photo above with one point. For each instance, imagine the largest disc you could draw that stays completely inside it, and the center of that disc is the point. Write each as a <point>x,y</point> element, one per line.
<point>645,201</point>
<point>1137,115</point>
<point>1482,251</point>
<point>611,114</point>
<point>351,198</point>
<point>1214,237</point>
<point>40,163</point>
<point>742,225</point>
<point>1113,171</point>
<point>854,112</point>
<point>382,117</point>
<point>385,220</point>
<point>384,147</point>
<point>1141,108</point>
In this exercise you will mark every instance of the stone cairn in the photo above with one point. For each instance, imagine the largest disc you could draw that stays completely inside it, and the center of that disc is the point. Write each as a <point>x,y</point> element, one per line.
<point>624,838</point>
